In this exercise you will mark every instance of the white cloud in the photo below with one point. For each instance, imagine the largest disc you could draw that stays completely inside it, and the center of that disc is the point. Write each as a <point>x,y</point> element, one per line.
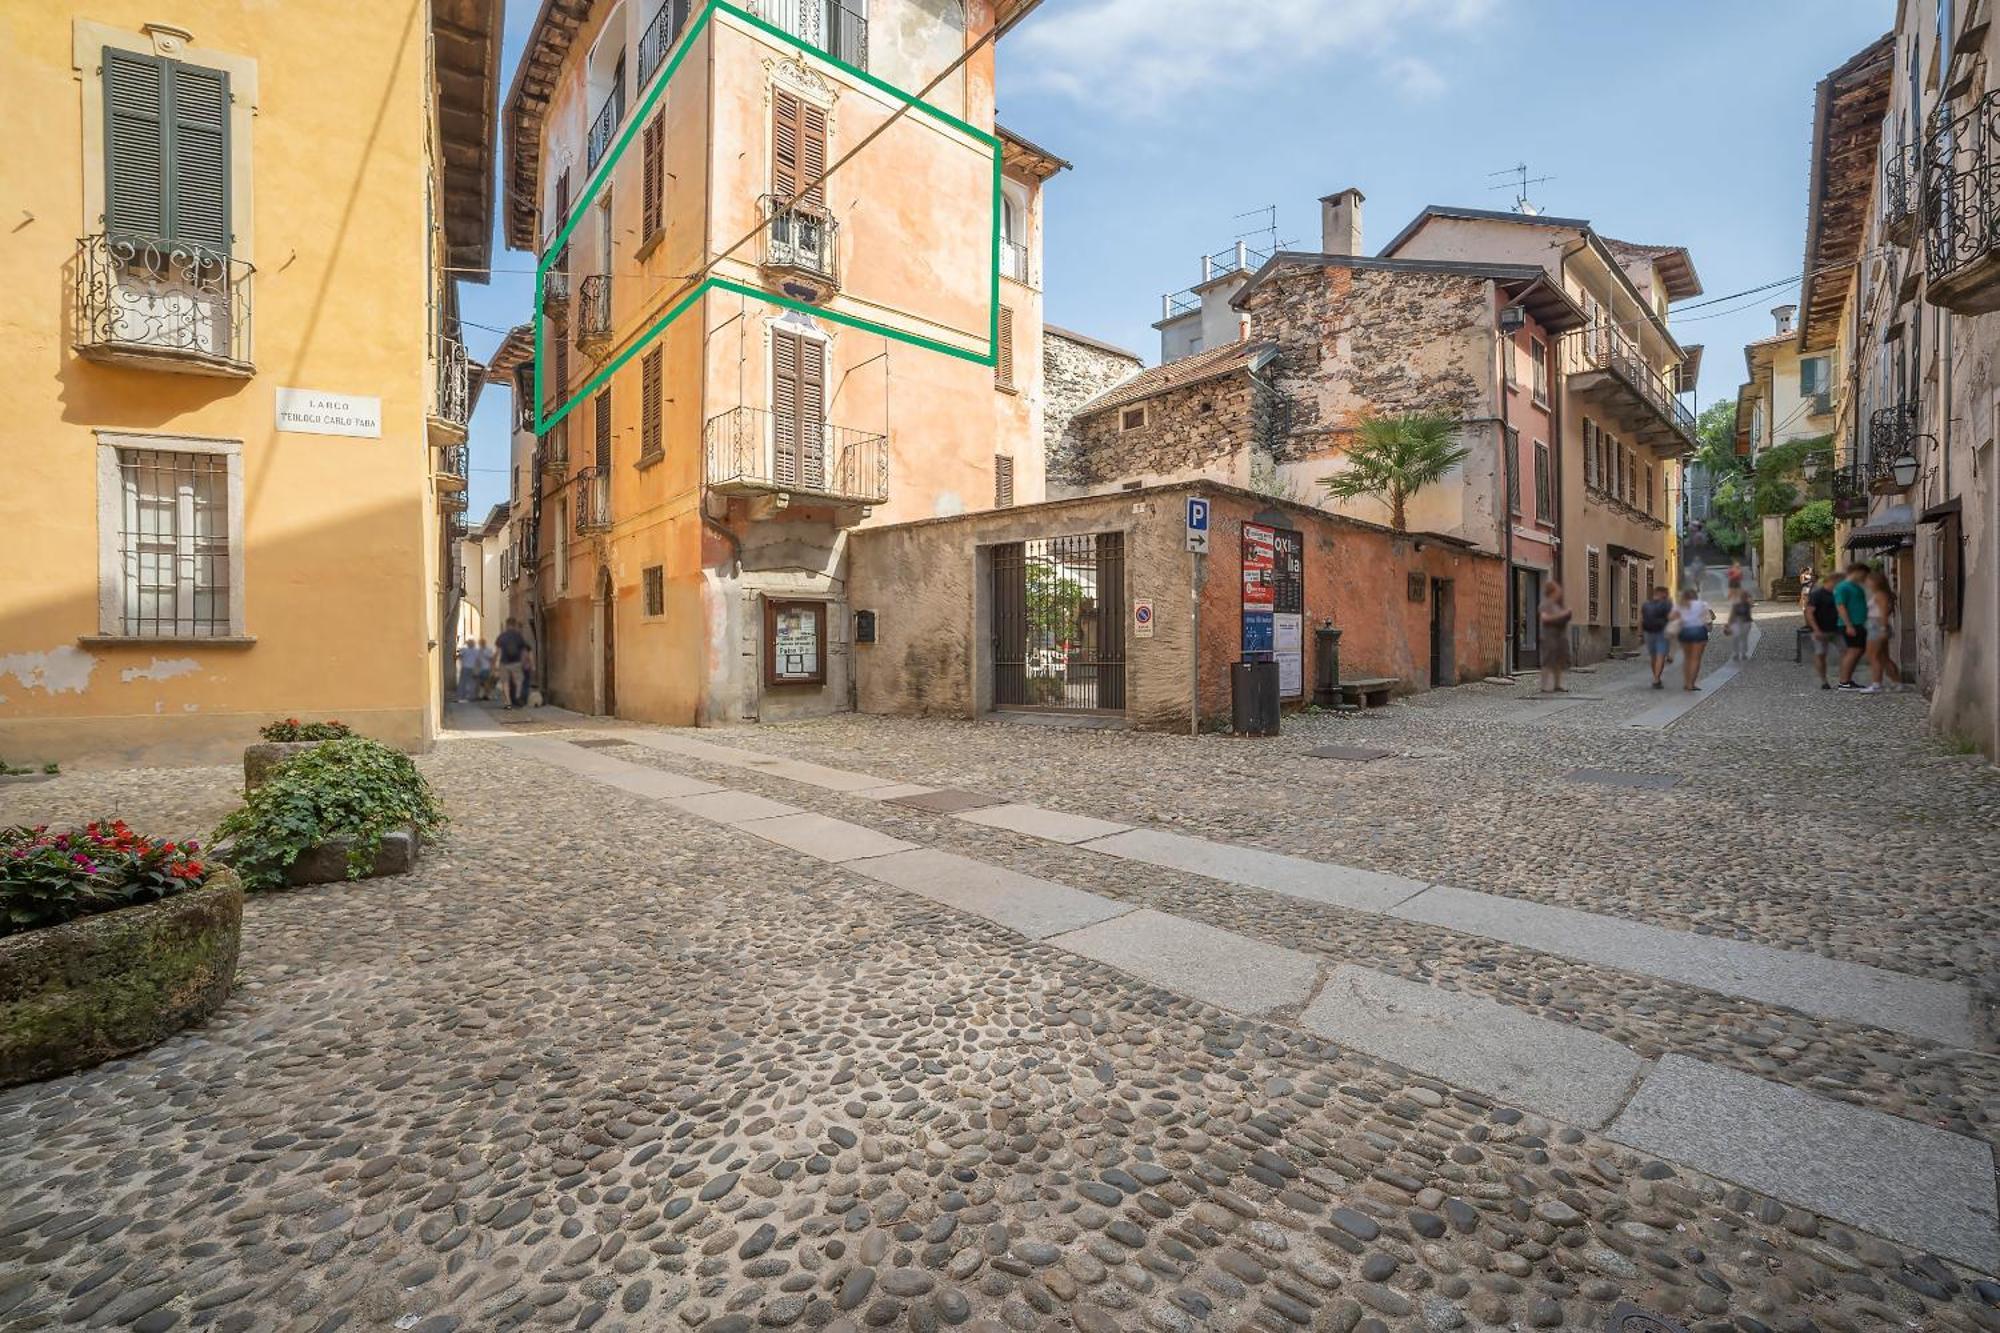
<point>1415,80</point>
<point>1135,57</point>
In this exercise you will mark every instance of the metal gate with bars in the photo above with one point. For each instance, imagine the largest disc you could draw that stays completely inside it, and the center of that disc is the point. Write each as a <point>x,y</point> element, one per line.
<point>1059,623</point>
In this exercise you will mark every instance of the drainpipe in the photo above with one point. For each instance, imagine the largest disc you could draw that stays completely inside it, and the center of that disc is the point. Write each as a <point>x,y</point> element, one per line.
<point>1503,345</point>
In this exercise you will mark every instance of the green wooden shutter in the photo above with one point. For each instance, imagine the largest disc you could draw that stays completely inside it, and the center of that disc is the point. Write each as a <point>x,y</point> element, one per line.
<point>135,144</point>
<point>198,156</point>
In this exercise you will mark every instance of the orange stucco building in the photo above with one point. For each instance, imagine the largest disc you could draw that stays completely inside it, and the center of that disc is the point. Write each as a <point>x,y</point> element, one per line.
<point>684,539</point>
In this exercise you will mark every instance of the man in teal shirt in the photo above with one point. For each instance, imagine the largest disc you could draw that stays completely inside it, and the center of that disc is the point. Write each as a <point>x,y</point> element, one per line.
<point>1850,601</point>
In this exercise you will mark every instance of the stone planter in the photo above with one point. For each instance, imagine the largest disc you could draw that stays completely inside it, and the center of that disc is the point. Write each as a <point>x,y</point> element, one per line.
<point>260,759</point>
<point>89,990</point>
<point>327,863</point>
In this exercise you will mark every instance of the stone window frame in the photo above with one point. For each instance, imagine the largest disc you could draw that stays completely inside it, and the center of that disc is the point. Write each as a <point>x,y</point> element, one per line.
<point>1125,423</point>
<point>110,522</point>
<point>653,592</point>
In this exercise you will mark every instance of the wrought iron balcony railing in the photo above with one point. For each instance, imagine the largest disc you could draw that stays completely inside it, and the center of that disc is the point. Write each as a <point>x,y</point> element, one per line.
<point>752,450</point>
<point>555,450</point>
<point>827,24</point>
<point>1892,435</point>
<point>1602,349</point>
<point>593,311</point>
<point>1014,261</point>
<point>454,464</point>
<point>555,294</point>
<point>162,304</point>
<point>1902,164</point>
<point>657,42</point>
<point>453,404</point>
<point>1849,491</point>
<point>591,500</point>
<point>530,530</point>
<point>604,125</point>
<point>1961,207</point>
<point>804,238</point>
<point>453,502</point>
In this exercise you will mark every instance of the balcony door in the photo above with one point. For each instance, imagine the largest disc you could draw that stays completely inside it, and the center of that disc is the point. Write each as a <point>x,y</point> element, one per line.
<point>798,409</point>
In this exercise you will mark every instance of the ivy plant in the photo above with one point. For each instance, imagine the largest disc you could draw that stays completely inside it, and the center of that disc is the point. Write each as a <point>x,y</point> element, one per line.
<point>354,789</point>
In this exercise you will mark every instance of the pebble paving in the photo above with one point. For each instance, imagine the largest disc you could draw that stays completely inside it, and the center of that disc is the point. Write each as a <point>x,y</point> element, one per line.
<point>602,1063</point>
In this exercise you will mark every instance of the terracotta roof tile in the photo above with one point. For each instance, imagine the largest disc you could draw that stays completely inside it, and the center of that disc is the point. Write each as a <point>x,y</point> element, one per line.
<point>1204,365</point>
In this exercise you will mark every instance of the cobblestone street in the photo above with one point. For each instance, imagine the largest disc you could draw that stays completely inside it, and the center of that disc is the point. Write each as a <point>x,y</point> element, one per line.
<point>892,1023</point>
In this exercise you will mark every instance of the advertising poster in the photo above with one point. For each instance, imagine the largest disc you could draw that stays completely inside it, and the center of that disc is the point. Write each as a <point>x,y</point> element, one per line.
<point>1288,643</point>
<point>1260,565</point>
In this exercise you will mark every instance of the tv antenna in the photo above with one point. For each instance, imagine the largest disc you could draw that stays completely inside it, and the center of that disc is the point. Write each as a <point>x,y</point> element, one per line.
<point>1263,236</point>
<point>1519,185</point>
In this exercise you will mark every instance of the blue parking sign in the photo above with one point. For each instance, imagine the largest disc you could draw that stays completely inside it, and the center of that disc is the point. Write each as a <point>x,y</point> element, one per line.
<point>1197,525</point>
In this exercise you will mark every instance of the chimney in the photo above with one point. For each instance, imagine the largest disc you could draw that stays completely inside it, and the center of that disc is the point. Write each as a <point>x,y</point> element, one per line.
<point>1340,222</point>
<point>1783,314</point>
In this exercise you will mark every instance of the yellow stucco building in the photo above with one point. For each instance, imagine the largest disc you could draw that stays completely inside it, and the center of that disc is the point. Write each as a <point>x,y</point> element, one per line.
<point>237,399</point>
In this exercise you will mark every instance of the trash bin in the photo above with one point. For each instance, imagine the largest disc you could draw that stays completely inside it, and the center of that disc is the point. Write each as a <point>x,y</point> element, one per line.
<point>1253,698</point>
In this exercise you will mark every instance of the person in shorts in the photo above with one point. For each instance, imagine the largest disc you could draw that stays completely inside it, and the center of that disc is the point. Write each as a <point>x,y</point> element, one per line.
<point>1691,621</point>
<point>1851,602</point>
<point>1654,614</point>
<point>1823,620</point>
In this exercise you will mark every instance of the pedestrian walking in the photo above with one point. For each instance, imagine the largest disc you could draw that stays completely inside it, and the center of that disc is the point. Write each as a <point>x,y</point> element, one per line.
<point>1851,602</point>
<point>1735,575</point>
<point>513,652</point>
<point>1823,621</point>
<point>1805,590</point>
<point>1554,615</point>
<point>1738,627</point>
<point>1655,614</point>
<point>1881,617</point>
<point>1691,621</point>
<point>468,671</point>
<point>485,668</point>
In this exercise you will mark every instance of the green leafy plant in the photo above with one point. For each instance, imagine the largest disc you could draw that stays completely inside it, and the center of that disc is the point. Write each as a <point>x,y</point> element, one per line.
<point>1393,457</point>
<point>1811,522</point>
<point>48,878</point>
<point>354,789</point>
<point>291,729</point>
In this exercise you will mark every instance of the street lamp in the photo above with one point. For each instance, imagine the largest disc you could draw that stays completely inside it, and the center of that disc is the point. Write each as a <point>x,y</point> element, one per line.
<point>1814,463</point>
<point>1905,468</point>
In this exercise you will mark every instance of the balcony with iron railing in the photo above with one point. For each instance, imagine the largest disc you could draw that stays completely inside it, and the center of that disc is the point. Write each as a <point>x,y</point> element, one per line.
<point>161,305</point>
<point>1608,369</point>
<point>453,501</point>
<point>662,31</point>
<point>451,395</point>
<point>591,500</point>
<point>1847,487</point>
<point>555,451</point>
<point>454,465</point>
<point>802,242</point>
<point>827,24</point>
<point>604,125</point>
<point>752,451</point>
<point>555,294</point>
<point>593,312</point>
<point>1014,261</point>
<point>1902,165</point>
<point>1894,445</point>
<point>1239,258</point>
<point>1961,208</point>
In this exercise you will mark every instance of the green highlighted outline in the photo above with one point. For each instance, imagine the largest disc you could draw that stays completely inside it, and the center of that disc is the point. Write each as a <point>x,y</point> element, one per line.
<point>991,357</point>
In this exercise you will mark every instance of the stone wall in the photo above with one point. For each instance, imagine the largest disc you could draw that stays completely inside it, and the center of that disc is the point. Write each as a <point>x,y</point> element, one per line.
<point>1202,430</point>
<point>1074,371</point>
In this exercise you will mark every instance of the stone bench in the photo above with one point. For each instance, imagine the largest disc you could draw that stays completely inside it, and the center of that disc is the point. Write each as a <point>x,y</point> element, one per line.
<point>1368,691</point>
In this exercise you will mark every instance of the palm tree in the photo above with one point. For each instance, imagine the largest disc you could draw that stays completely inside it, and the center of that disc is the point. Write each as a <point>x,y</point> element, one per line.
<point>1396,456</point>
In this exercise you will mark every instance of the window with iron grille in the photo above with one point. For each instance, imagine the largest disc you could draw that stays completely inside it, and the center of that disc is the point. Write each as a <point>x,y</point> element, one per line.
<point>1591,564</point>
<point>654,579</point>
<point>1545,504</point>
<point>174,554</point>
<point>1003,481</point>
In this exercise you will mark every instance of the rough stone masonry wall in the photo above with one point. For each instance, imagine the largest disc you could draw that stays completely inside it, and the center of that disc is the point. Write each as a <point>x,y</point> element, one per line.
<point>1073,373</point>
<point>1202,429</point>
<point>1352,342</point>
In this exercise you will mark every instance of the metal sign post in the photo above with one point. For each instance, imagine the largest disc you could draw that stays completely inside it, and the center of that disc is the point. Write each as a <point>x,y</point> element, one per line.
<point>1197,544</point>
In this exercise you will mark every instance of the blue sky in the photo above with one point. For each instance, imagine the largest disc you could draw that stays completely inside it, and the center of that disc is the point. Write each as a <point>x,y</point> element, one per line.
<point>1665,121</point>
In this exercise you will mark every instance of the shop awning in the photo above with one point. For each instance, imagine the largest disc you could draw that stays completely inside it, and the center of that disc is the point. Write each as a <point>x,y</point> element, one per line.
<point>1894,526</point>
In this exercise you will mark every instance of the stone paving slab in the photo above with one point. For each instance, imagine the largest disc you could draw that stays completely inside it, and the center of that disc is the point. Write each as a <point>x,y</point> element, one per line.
<point>1546,1067</point>
<point>827,838</point>
<point>733,807</point>
<point>1037,822</point>
<point>1359,754</point>
<point>1036,908</point>
<point>1828,987</point>
<point>729,756</point>
<point>1678,702</point>
<point>1218,967</point>
<point>1903,1180</point>
<point>1296,877</point>
<point>946,801</point>
<point>892,791</point>
<point>657,783</point>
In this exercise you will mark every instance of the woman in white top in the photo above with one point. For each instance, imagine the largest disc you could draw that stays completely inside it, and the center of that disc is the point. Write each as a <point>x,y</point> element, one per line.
<point>1691,621</point>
